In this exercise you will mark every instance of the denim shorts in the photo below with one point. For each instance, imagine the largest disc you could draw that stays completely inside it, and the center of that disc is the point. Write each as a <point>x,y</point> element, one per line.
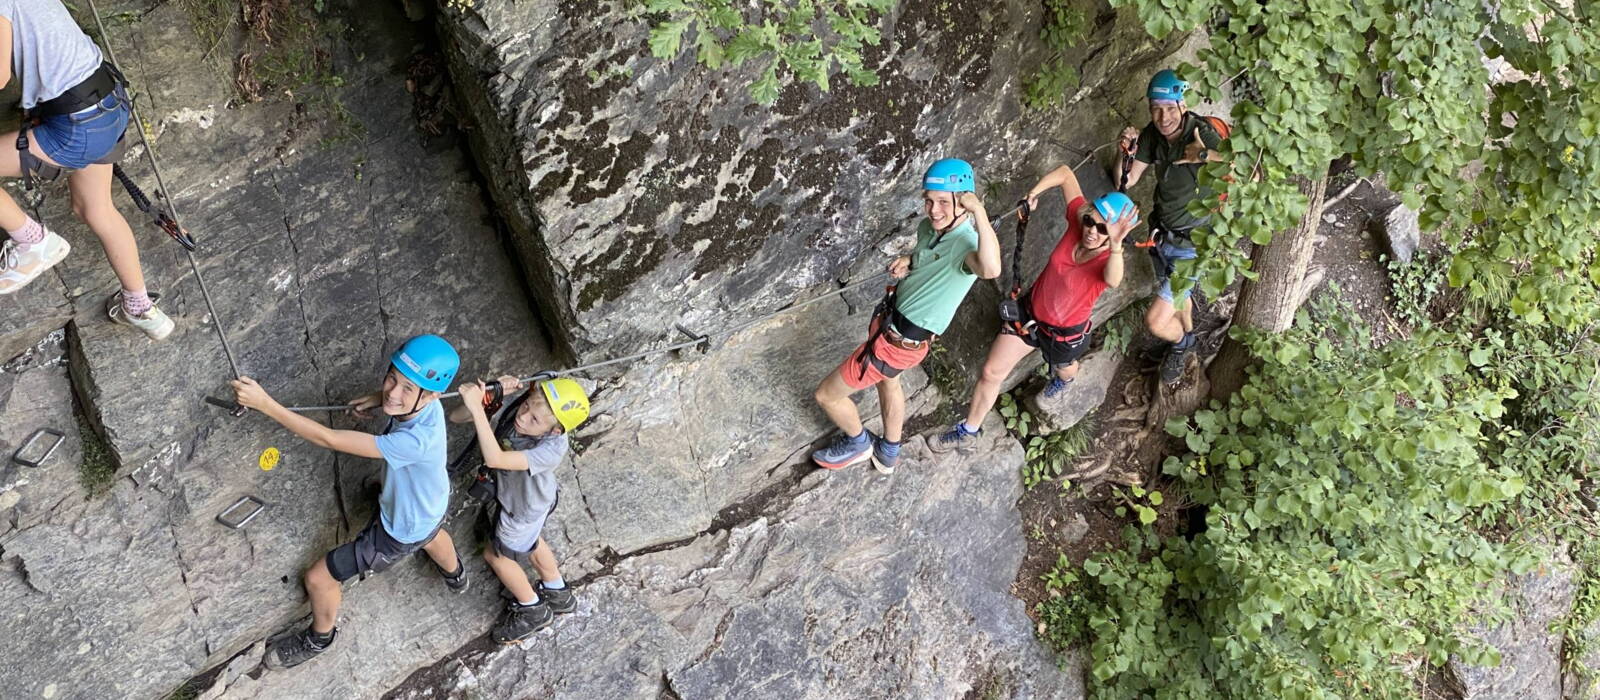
<point>75,141</point>
<point>1164,258</point>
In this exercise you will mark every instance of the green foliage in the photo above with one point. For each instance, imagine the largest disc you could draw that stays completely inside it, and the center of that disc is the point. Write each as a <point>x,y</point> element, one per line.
<point>1049,454</point>
<point>1414,286</point>
<point>1119,332</point>
<point>96,469</point>
<point>1138,502</point>
<point>1505,172</point>
<point>1365,502</point>
<point>285,51</point>
<point>1577,642</point>
<point>1062,28</point>
<point>810,41</point>
<point>1064,613</point>
<point>1048,86</point>
<point>1349,489</point>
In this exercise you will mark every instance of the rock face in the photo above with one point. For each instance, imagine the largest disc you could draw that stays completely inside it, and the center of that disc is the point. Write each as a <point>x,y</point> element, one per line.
<point>1400,232</point>
<point>1530,652</point>
<point>801,602</point>
<point>659,202</point>
<point>642,192</point>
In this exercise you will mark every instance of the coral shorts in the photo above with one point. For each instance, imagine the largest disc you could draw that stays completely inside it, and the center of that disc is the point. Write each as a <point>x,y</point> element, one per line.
<point>886,361</point>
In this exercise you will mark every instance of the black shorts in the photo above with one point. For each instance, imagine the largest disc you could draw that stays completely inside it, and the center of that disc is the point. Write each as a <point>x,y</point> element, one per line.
<point>372,551</point>
<point>1060,346</point>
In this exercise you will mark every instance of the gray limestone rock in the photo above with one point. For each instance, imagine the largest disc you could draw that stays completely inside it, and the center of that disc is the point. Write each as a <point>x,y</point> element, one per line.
<point>1082,396</point>
<point>1400,232</point>
<point>1530,651</point>
<point>642,192</point>
<point>796,603</point>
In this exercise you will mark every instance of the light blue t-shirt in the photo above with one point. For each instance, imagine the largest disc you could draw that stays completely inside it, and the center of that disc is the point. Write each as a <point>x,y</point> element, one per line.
<point>416,485</point>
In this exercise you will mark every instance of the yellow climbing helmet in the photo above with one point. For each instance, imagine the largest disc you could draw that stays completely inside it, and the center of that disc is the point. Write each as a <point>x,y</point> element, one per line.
<point>567,400</point>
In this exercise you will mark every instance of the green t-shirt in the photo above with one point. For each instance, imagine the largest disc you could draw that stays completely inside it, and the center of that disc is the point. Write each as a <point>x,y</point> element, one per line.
<point>939,279</point>
<point>1176,185</point>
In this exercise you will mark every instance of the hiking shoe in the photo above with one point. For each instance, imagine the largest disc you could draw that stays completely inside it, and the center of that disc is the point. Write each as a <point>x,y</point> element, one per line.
<point>154,322</point>
<point>1056,386</point>
<point>957,439</point>
<point>885,455</point>
<point>295,649</point>
<point>1172,366</point>
<point>520,621</point>
<point>845,451</point>
<point>560,600</point>
<point>457,582</point>
<point>1155,354</point>
<point>18,268</point>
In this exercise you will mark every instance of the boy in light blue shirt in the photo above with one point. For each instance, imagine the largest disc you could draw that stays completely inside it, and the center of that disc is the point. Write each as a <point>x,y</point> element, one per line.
<point>416,485</point>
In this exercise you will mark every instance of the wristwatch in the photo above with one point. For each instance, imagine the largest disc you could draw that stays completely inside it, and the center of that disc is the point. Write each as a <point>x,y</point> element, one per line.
<point>1204,152</point>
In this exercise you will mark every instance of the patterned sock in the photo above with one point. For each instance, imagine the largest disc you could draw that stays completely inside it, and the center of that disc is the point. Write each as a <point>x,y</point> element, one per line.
<point>31,232</point>
<point>136,303</point>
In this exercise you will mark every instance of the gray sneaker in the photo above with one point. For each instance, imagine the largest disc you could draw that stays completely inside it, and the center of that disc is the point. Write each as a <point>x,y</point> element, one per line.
<point>954,439</point>
<point>154,322</point>
<point>297,648</point>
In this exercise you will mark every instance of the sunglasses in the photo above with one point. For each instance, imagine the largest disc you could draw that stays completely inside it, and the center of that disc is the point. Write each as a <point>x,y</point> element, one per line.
<point>1090,224</point>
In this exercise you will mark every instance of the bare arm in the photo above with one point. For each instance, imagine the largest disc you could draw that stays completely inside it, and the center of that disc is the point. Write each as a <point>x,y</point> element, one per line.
<point>1127,219</point>
<point>5,52</point>
<point>1062,177</point>
<point>488,445</point>
<point>984,262</point>
<point>354,442</point>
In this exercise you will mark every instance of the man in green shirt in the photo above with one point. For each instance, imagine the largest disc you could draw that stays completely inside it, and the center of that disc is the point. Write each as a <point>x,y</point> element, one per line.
<point>1177,142</point>
<point>955,247</point>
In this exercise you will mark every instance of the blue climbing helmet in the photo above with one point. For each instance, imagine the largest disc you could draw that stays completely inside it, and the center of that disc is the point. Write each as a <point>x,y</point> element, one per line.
<point>1166,86</point>
<point>429,361</point>
<point>1112,205</point>
<point>949,175</point>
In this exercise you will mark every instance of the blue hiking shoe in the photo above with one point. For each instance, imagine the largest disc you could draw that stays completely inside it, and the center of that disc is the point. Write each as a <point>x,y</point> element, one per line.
<point>958,439</point>
<point>1056,386</point>
<point>846,451</point>
<point>885,455</point>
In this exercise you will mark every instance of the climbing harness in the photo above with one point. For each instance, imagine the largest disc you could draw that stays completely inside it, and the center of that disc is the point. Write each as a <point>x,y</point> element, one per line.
<point>236,516</point>
<point>176,229</point>
<point>1010,307</point>
<point>28,444</point>
<point>694,341</point>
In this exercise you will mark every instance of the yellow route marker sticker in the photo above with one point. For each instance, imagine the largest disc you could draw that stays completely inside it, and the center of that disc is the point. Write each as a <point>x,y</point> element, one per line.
<point>269,459</point>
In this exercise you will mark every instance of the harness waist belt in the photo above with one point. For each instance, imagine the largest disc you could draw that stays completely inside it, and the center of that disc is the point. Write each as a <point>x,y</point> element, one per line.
<point>98,86</point>
<point>904,328</point>
<point>1064,335</point>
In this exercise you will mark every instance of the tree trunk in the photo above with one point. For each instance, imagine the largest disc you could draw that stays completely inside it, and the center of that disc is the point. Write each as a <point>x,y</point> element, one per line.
<point>1269,302</point>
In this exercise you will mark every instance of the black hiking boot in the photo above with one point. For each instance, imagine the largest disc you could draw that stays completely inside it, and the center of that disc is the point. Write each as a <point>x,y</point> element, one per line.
<point>519,621</point>
<point>1155,354</point>
<point>1172,366</point>
<point>561,600</point>
<point>294,649</point>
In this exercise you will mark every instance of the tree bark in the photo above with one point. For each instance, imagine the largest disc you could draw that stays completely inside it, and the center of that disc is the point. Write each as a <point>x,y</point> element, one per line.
<point>1269,302</point>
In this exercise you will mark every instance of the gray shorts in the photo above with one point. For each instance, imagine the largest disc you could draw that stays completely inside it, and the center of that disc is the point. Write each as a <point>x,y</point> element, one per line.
<point>372,551</point>
<point>528,541</point>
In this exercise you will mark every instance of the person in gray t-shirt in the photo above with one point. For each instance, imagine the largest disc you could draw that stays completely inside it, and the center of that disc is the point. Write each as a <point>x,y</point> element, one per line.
<point>82,110</point>
<point>520,461</point>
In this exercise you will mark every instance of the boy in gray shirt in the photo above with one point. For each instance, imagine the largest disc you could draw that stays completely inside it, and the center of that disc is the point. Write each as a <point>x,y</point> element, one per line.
<point>521,459</point>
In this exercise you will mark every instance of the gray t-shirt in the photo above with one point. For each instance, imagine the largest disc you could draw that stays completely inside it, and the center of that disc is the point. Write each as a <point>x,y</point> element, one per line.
<point>526,497</point>
<point>49,53</point>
